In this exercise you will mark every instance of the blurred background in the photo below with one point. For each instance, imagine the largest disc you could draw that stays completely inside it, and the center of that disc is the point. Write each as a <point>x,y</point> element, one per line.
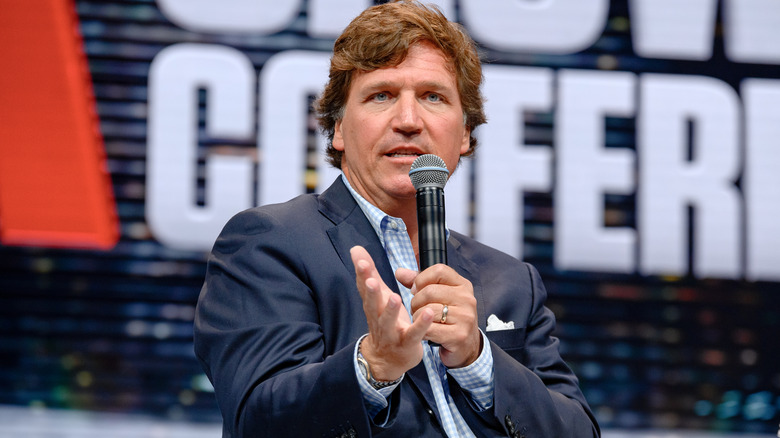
<point>631,155</point>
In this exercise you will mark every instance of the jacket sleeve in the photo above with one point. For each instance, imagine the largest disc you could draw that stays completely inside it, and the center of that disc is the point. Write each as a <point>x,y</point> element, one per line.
<point>536,393</point>
<point>259,338</point>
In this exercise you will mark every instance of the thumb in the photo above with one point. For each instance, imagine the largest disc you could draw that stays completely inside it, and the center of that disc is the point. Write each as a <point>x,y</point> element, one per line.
<point>406,277</point>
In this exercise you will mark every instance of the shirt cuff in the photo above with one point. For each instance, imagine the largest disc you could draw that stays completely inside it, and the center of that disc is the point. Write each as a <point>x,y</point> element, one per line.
<point>478,378</point>
<point>375,399</point>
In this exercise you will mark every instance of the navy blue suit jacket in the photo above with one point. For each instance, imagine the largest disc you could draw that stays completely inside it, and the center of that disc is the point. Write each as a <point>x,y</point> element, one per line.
<point>279,315</point>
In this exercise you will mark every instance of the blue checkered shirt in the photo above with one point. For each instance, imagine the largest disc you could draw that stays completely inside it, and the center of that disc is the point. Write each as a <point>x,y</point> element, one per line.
<point>476,379</point>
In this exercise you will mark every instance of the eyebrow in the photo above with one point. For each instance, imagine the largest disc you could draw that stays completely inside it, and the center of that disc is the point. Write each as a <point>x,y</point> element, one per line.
<point>432,85</point>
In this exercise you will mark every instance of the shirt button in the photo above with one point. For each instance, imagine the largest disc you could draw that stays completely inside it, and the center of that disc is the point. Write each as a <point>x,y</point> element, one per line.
<point>393,225</point>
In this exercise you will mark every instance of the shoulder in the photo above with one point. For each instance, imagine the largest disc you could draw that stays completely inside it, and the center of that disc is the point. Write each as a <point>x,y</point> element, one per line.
<point>304,212</point>
<point>259,220</point>
<point>266,224</point>
<point>494,265</point>
<point>480,253</point>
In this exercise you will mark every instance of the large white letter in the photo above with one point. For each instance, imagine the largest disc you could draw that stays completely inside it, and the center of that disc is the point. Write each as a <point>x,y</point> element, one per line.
<point>175,76</point>
<point>550,26</point>
<point>752,31</point>
<point>506,166</point>
<point>673,29</point>
<point>225,16</point>
<point>761,179</point>
<point>458,191</point>
<point>671,180</point>
<point>586,171</point>
<point>327,18</point>
<point>286,82</point>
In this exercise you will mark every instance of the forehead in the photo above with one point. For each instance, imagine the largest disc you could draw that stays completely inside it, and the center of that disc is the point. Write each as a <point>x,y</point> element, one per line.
<point>423,62</point>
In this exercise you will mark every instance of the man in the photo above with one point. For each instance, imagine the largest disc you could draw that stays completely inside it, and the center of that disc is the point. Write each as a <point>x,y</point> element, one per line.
<point>313,320</point>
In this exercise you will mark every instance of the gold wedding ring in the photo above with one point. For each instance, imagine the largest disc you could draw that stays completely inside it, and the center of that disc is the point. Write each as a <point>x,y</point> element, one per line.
<point>444,311</point>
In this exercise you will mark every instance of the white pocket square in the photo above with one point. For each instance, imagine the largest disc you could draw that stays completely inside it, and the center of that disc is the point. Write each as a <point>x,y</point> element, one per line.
<point>495,324</point>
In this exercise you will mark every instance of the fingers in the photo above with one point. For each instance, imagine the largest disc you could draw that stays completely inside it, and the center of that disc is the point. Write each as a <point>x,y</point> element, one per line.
<point>457,333</point>
<point>445,310</point>
<point>438,282</point>
<point>364,265</point>
<point>449,297</point>
<point>394,343</point>
<point>439,285</point>
<point>395,339</point>
<point>406,277</point>
<point>406,334</point>
<point>440,274</point>
<point>369,283</point>
<point>444,315</point>
<point>391,312</point>
<point>440,313</point>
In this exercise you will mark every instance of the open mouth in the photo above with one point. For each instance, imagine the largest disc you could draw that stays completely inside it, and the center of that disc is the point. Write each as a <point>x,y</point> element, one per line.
<point>403,154</point>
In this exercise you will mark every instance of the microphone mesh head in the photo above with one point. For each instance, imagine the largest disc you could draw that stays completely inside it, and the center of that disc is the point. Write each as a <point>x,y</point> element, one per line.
<point>428,170</point>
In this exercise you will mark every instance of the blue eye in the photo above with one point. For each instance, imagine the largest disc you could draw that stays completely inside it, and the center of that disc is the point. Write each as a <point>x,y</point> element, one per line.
<point>433,97</point>
<point>380,97</point>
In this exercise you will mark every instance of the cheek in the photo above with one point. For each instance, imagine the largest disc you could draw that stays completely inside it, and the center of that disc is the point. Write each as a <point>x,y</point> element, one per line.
<point>351,133</point>
<point>363,132</point>
<point>460,136</point>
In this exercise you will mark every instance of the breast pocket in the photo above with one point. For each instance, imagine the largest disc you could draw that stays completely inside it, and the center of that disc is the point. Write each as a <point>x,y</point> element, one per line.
<point>512,341</point>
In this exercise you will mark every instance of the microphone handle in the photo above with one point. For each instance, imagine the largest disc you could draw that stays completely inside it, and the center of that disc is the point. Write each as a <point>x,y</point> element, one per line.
<point>432,236</point>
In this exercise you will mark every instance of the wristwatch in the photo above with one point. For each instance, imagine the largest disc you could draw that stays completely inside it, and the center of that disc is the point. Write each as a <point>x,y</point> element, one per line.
<point>366,371</point>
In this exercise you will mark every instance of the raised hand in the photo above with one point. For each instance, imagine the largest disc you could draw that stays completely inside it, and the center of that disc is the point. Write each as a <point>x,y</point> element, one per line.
<point>394,344</point>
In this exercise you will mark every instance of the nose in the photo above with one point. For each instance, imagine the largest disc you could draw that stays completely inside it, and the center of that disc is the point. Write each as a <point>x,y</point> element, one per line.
<point>407,119</point>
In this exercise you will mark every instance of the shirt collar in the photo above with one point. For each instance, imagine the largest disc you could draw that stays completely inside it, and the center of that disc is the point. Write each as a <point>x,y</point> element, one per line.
<point>372,212</point>
<point>376,216</point>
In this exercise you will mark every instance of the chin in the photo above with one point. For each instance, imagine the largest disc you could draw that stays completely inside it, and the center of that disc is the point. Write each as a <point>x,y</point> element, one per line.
<point>404,190</point>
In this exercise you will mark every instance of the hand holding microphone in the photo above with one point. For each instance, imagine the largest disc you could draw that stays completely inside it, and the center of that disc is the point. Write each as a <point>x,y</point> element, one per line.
<point>434,287</point>
<point>442,289</point>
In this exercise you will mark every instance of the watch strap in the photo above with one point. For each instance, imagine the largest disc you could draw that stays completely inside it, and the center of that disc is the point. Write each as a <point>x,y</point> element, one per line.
<point>366,368</point>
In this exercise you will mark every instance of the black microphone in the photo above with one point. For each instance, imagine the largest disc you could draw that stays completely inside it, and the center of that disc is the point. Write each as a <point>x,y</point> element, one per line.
<point>429,175</point>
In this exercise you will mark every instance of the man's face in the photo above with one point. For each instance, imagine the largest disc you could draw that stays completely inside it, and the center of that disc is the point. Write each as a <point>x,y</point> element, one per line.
<point>393,115</point>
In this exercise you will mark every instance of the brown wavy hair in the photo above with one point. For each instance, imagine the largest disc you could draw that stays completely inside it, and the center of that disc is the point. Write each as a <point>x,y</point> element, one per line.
<point>381,37</point>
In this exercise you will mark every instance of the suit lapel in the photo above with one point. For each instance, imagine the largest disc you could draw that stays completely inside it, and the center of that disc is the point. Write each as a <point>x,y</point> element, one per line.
<point>351,227</point>
<point>469,270</point>
<point>419,377</point>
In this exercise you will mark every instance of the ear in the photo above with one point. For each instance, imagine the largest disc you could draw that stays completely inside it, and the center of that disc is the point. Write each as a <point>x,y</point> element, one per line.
<point>466,141</point>
<point>338,139</point>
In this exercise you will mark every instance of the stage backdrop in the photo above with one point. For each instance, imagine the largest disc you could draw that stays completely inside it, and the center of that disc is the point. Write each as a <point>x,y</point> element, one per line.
<point>631,154</point>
